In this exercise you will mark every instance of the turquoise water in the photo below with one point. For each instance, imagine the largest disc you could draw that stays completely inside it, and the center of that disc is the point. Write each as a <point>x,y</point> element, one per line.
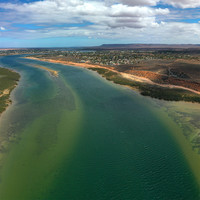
<point>81,137</point>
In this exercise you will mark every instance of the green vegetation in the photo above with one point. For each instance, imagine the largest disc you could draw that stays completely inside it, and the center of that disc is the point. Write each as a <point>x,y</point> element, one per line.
<point>150,90</point>
<point>8,80</point>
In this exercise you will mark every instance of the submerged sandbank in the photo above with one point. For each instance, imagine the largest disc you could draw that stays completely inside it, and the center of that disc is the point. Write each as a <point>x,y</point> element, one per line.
<point>51,71</point>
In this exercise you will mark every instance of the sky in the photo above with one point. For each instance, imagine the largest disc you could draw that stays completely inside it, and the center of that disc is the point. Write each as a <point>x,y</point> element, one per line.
<point>69,23</point>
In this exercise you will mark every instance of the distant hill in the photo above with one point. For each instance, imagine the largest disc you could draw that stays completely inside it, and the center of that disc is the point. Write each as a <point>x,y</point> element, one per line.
<point>146,47</point>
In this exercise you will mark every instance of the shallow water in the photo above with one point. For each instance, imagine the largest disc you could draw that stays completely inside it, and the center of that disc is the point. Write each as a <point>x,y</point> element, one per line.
<point>79,136</point>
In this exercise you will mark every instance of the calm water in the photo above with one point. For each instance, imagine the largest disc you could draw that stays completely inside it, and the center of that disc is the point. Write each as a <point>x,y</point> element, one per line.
<point>80,137</point>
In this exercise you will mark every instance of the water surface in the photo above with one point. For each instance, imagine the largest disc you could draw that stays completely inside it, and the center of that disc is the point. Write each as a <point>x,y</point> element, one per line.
<point>79,136</point>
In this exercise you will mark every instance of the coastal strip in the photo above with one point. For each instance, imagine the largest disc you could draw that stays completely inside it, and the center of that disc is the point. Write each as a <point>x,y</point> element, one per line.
<point>142,84</point>
<point>8,81</point>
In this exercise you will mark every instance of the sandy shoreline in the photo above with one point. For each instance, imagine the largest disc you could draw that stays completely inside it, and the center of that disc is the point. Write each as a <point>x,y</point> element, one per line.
<point>124,75</point>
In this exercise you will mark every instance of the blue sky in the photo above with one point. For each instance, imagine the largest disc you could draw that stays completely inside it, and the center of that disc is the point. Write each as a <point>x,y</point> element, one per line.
<point>66,23</point>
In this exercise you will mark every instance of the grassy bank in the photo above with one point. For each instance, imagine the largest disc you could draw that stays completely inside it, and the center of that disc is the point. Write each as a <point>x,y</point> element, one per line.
<point>170,94</point>
<point>8,81</point>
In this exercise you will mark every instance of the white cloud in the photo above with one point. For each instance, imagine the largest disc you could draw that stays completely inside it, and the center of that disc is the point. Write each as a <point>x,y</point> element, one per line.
<point>183,3</point>
<point>79,11</point>
<point>2,28</point>
<point>134,2</point>
<point>168,32</point>
<point>135,20</point>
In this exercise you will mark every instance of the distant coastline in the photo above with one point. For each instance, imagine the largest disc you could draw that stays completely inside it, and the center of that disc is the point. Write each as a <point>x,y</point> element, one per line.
<point>137,82</point>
